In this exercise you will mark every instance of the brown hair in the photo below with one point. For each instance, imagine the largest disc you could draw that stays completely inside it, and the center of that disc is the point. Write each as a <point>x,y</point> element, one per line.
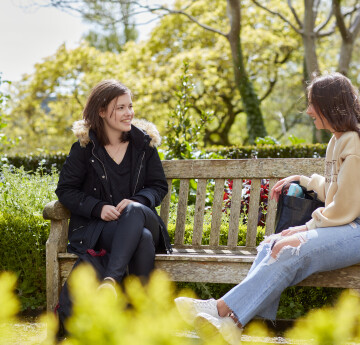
<point>337,100</point>
<point>100,97</point>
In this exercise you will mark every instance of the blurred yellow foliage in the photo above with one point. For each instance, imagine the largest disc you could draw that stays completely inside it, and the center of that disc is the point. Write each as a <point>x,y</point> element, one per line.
<point>146,315</point>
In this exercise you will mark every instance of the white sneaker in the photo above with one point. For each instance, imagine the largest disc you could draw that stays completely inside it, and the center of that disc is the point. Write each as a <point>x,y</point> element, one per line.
<point>190,307</point>
<point>108,285</point>
<point>208,327</point>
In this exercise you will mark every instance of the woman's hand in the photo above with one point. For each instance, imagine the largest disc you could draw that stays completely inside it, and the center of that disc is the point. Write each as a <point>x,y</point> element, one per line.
<point>109,212</point>
<point>276,190</point>
<point>294,230</point>
<point>122,204</point>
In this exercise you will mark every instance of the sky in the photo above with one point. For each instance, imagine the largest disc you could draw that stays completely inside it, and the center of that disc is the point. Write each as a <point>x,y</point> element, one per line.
<point>27,35</point>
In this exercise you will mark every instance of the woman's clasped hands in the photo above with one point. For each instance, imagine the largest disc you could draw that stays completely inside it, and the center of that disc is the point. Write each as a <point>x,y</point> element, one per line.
<point>109,212</point>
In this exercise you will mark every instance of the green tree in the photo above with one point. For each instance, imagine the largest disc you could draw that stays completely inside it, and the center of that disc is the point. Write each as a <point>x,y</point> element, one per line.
<point>249,97</point>
<point>231,29</point>
<point>113,22</point>
<point>5,142</point>
<point>315,21</point>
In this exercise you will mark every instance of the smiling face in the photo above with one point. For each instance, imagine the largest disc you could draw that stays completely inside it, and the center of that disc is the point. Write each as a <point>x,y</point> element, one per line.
<point>118,115</point>
<point>320,122</point>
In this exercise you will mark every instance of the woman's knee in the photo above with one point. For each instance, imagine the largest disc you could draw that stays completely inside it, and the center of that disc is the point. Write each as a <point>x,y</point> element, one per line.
<point>134,207</point>
<point>292,243</point>
<point>146,246</point>
<point>146,236</point>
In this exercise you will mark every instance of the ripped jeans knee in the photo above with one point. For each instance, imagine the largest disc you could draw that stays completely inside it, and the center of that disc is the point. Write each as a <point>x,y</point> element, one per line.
<point>292,242</point>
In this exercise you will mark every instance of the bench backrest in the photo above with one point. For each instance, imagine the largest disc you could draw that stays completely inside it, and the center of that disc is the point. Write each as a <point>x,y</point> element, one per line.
<point>204,170</point>
<point>236,170</point>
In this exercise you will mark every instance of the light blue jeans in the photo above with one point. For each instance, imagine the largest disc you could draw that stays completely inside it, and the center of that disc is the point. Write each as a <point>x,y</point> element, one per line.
<point>319,250</point>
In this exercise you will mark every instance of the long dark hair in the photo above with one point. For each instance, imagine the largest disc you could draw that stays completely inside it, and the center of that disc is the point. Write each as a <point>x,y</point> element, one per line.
<point>337,100</point>
<point>100,97</point>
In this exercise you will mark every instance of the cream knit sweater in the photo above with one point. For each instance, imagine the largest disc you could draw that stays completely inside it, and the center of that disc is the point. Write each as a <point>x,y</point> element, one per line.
<point>340,187</point>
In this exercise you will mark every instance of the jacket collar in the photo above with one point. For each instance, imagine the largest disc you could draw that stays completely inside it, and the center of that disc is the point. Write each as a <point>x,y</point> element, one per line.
<point>142,132</point>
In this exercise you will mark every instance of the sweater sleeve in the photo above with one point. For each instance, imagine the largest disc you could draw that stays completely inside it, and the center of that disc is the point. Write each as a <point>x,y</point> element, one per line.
<point>345,205</point>
<point>316,183</point>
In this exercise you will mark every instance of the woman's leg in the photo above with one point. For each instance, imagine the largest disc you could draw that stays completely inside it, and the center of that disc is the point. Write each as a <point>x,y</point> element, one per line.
<point>142,262</point>
<point>121,238</point>
<point>291,260</point>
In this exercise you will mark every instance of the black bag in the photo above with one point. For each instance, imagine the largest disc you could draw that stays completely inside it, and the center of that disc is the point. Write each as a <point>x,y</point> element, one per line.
<point>293,211</point>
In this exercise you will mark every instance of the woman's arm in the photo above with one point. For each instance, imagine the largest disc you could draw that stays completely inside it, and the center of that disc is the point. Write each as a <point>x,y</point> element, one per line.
<point>155,186</point>
<point>345,205</point>
<point>316,183</point>
<point>71,179</point>
<point>276,190</point>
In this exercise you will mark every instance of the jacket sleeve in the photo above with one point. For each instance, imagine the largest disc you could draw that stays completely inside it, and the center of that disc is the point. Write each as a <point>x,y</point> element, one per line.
<point>345,206</point>
<point>71,179</point>
<point>155,185</point>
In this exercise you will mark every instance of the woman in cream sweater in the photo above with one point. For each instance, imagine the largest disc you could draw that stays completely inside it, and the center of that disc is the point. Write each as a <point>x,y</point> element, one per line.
<point>330,240</point>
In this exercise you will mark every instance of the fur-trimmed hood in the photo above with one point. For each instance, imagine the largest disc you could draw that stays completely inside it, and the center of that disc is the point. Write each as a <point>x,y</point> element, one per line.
<point>81,130</point>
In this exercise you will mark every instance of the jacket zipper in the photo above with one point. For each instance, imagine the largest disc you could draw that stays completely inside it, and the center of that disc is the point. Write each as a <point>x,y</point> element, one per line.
<point>92,151</point>
<point>137,180</point>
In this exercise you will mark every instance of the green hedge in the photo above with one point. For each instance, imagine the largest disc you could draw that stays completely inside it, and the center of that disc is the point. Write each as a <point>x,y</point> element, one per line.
<point>31,162</point>
<point>271,151</point>
<point>23,230</point>
<point>47,162</point>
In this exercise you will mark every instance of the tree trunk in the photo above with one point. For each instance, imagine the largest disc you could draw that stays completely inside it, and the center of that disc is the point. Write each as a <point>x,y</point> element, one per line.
<point>345,56</point>
<point>255,123</point>
<point>309,38</point>
<point>348,36</point>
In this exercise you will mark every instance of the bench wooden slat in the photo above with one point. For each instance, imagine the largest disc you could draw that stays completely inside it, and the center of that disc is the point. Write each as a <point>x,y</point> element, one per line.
<point>253,213</point>
<point>217,212</point>
<point>199,212</point>
<point>235,212</point>
<point>242,168</point>
<point>215,267</point>
<point>271,211</point>
<point>165,205</point>
<point>181,212</point>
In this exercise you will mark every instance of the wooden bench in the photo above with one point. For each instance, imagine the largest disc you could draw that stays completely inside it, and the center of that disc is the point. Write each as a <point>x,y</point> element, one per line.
<point>196,262</point>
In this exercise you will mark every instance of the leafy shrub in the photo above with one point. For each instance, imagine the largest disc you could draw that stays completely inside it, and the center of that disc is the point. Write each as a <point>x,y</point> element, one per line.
<point>23,231</point>
<point>147,315</point>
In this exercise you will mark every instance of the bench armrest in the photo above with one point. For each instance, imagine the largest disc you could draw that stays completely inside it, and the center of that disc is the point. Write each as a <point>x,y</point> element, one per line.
<point>54,210</point>
<point>55,244</point>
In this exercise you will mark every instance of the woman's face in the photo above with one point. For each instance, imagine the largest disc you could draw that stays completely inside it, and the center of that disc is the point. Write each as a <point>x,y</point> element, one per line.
<point>119,114</point>
<point>320,122</point>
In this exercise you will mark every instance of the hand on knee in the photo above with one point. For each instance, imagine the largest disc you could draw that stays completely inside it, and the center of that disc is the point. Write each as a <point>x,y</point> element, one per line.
<point>293,241</point>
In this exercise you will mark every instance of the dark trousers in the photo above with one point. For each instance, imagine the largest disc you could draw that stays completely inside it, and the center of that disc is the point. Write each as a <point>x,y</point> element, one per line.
<point>131,241</point>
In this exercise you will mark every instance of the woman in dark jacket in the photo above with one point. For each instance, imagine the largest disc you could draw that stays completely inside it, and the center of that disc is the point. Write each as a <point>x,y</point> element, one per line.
<point>111,182</point>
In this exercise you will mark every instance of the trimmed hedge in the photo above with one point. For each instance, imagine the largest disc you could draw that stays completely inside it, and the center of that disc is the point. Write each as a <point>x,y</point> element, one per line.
<point>271,151</point>
<point>47,162</point>
<point>31,162</point>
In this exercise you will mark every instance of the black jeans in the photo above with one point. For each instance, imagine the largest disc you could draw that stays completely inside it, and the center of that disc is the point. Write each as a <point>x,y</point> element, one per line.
<point>131,241</point>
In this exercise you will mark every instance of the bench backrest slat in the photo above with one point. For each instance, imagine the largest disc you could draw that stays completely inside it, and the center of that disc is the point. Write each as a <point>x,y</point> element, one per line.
<point>253,213</point>
<point>199,212</point>
<point>165,205</point>
<point>216,212</point>
<point>235,212</point>
<point>271,211</point>
<point>181,212</point>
